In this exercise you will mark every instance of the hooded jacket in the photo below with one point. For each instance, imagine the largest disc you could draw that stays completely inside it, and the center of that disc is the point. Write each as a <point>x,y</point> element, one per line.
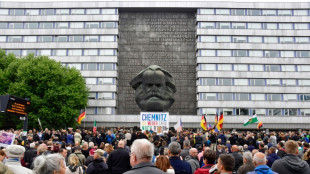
<point>193,162</point>
<point>271,159</point>
<point>262,169</point>
<point>291,164</point>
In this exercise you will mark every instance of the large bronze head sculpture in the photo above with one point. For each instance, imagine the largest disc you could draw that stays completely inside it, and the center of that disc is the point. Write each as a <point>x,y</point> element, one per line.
<point>154,88</point>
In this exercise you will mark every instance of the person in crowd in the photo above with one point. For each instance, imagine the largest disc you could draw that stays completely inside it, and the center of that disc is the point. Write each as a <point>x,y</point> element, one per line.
<point>2,155</point>
<point>305,147</point>
<point>64,153</point>
<point>306,156</point>
<point>281,151</point>
<point>14,153</point>
<point>209,159</point>
<point>77,136</point>
<point>49,164</point>
<point>261,147</point>
<point>162,162</point>
<point>272,156</point>
<point>141,155</point>
<point>108,149</point>
<point>260,165</point>
<point>79,154</point>
<point>254,151</point>
<point>73,167</point>
<point>85,149</point>
<point>213,141</point>
<point>185,150</point>
<point>238,158</point>
<point>192,159</point>
<point>175,161</point>
<point>110,137</point>
<point>248,165</point>
<point>225,164</point>
<point>97,166</point>
<point>291,163</point>
<point>119,159</point>
<point>30,154</point>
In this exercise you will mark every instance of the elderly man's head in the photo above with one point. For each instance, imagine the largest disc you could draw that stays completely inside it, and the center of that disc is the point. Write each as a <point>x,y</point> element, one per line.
<point>174,148</point>
<point>193,152</point>
<point>234,148</point>
<point>121,144</point>
<point>154,88</point>
<point>259,159</point>
<point>141,151</point>
<point>247,157</point>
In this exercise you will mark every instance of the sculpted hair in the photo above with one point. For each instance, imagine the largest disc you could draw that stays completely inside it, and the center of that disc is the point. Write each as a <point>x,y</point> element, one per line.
<point>142,148</point>
<point>247,156</point>
<point>291,147</point>
<point>47,164</point>
<point>174,148</point>
<point>228,161</point>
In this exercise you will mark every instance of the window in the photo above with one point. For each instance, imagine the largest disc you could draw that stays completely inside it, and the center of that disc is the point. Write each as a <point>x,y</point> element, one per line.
<point>273,82</point>
<point>207,52</point>
<point>208,96</point>
<point>274,112</point>
<point>90,81</point>
<point>253,53</point>
<point>286,40</point>
<point>62,11</point>
<point>269,12</point>
<point>26,52</point>
<point>224,67</point>
<point>242,111</point>
<point>225,82</point>
<point>225,96</point>
<point>208,67</point>
<point>207,11</point>
<point>270,39</point>
<point>223,53</point>
<point>15,52</point>
<point>270,26</point>
<point>76,25</point>
<point>208,25</point>
<point>302,54</point>
<point>107,38</point>
<point>304,82</point>
<point>75,65</point>
<point>75,38</point>
<point>90,52</point>
<point>223,25</point>
<point>62,25</point>
<point>60,52</point>
<point>106,67</point>
<point>288,112</point>
<point>92,25</point>
<point>46,25</point>
<point>239,12</point>
<point>256,67</point>
<point>109,24</point>
<point>90,66</point>
<point>259,112</point>
<point>300,12</point>
<point>4,11</point>
<point>91,38</point>
<point>289,97</point>
<point>273,68</point>
<point>303,68</point>
<point>105,95</point>
<point>288,68</point>
<point>222,11</point>
<point>2,38</point>
<point>16,25</point>
<point>254,12</point>
<point>90,110</point>
<point>254,26</point>
<point>238,25</point>
<point>32,12</point>
<point>285,26</point>
<point>208,111</point>
<point>285,12</point>
<point>44,52</point>
<point>287,54</point>
<point>3,25</point>
<point>108,11</point>
<point>240,67</point>
<point>93,11</point>
<point>77,11</point>
<point>242,97</point>
<point>239,39</point>
<point>301,26</point>
<point>305,112</point>
<point>31,25</point>
<point>61,38</point>
<point>240,53</point>
<point>272,54</point>
<point>14,38</point>
<point>75,52</point>
<point>208,81</point>
<point>223,38</point>
<point>107,52</point>
<point>288,82</point>
<point>45,39</point>
<point>255,39</point>
<point>17,12</point>
<point>105,81</point>
<point>47,11</point>
<point>302,40</point>
<point>227,111</point>
<point>92,95</point>
<point>241,82</point>
<point>257,82</point>
<point>274,97</point>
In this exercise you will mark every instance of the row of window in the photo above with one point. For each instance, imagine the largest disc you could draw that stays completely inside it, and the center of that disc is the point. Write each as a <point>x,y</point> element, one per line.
<point>254,53</point>
<point>254,12</point>
<point>245,67</point>
<point>92,66</point>
<point>69,38</point>
<point>65,52</point>
<point>251,25</point>
<point>56,25</point>
<point>252,82</point>
<point>253,97</point>
<point>102,95</point>
<point>100,110</point>
<point>79,11</point>
<point>259,112</point>
<point>100,81</point>
<point>254,39</point>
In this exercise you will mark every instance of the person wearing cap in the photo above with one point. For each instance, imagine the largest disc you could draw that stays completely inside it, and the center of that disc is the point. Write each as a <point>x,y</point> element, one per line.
<point>14,153</point>
<point>97,166</point>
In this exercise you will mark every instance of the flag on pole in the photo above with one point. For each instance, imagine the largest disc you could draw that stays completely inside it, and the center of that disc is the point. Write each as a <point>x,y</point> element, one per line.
<point>220,122</point>
<point>178,126</point>
<point>203,122</point>
<point>209,127</point>
<point>81,117</point>
<point>215,124</point>
<point>250,120</point>
<point>259,125</point>
<point>95,127</point>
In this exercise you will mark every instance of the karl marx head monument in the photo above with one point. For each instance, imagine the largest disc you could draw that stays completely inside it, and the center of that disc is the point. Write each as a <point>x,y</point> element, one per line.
<point>154,89</point>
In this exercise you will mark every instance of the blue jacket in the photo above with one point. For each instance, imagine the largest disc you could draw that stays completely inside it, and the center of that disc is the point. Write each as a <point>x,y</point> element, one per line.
<point>262,169</point>
<point>271,158</point>
<point>180,166</point>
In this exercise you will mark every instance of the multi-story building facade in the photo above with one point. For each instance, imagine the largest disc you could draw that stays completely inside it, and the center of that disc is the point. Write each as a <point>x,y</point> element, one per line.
<point>237,58</point>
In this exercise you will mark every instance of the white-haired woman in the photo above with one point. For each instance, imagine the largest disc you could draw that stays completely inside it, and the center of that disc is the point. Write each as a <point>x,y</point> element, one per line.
<point>49,164</point>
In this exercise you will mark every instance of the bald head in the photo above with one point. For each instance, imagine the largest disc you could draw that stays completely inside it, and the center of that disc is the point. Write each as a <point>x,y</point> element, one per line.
<point>234,148</point>
<point>259,159</point>
<point>254,151</point>
<point>193,152</point>
<point>121,144</point>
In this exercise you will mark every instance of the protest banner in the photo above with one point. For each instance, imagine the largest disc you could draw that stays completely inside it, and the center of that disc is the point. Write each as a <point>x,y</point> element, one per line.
<point>154,121</point>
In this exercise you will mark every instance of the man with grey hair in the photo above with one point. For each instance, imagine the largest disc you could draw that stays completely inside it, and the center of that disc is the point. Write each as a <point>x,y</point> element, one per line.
<point>260,164</point>
<point>30,154</point>
<point>119,159</point>
<point>142,152</point>
<point>14,153</point>
<point>178,165</point>
<point>185,150</point>
<point>192,159</point>
<point>248,165</point>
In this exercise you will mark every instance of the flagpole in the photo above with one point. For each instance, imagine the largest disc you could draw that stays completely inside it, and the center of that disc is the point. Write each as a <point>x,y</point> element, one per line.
<point>84,119</point>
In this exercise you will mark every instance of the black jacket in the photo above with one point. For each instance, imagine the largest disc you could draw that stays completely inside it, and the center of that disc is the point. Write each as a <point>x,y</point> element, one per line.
<point>238,160</point>
<point>119,161</point>
<point>97,167</point>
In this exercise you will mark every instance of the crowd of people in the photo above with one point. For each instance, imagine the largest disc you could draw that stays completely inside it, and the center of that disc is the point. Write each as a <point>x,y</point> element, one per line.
<point>121,150</point>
